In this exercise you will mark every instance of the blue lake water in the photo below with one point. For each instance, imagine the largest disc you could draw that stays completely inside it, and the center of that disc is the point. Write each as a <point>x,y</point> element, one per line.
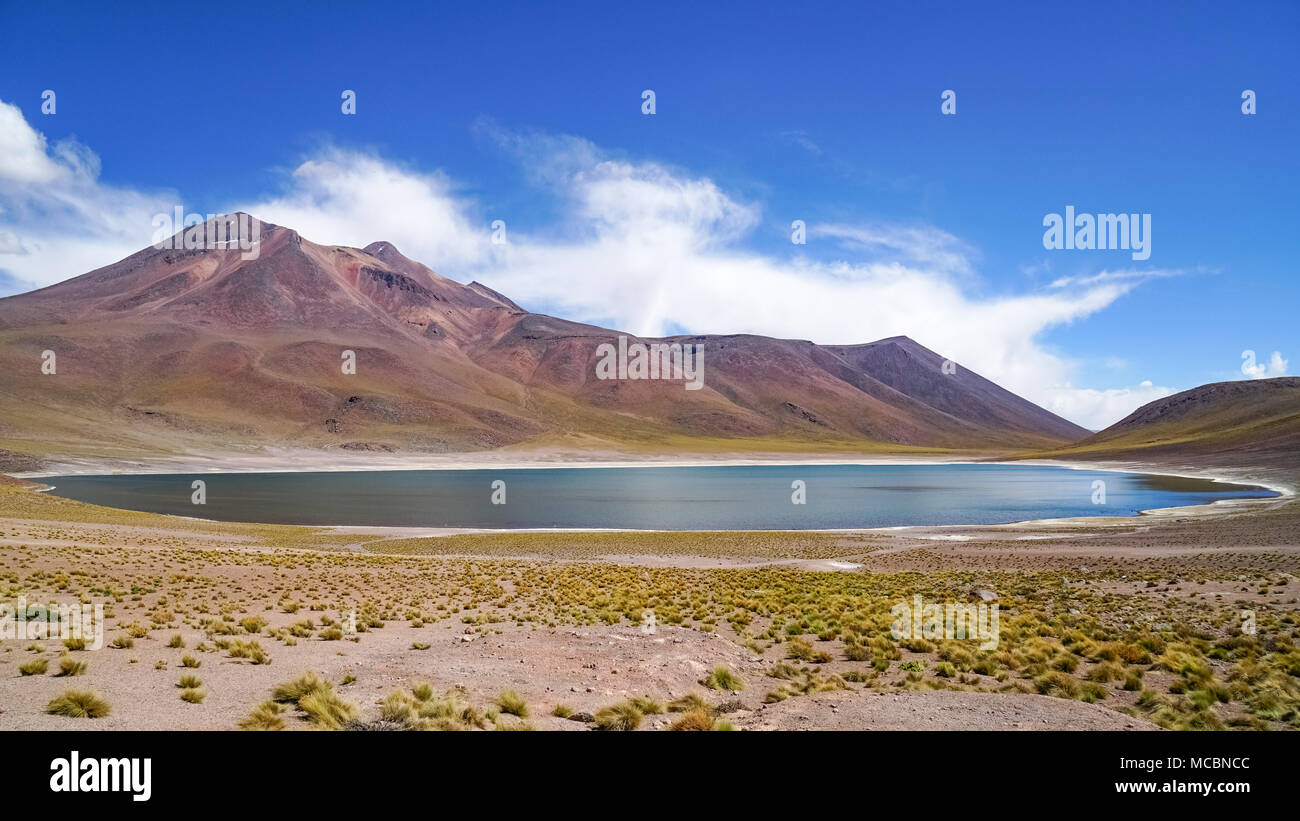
<point>655,498</point>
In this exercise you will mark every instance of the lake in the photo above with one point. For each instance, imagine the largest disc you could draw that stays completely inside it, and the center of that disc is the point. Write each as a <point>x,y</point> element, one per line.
<point>735,497</point>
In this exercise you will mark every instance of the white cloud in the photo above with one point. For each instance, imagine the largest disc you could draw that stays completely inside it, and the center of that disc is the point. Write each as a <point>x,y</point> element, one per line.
<point>344,198</point>
<point>1129,275</point>
<point>57,220</point>
<point>1103,407</point>
<point>24,155</point>
<point>639,246</point>
<point>1276,365</point>
<point>924,246</point>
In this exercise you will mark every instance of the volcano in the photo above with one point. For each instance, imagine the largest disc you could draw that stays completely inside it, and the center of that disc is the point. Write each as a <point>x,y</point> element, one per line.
<point>171,349</point>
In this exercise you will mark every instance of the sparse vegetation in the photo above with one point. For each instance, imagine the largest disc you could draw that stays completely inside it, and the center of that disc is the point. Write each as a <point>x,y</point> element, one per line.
<point>79,704</point>
<point>425,709</point>
<point>697,719</point>
<point>623,716</point>
<point>510,703</point>
<point>723,679</point>
<point>34,667</point>
<point>688,702</point>
<point>647,705</point>
<point>324,708</point>
<point>290,692</point>
<point>68,666</point>
<point>269,715</point>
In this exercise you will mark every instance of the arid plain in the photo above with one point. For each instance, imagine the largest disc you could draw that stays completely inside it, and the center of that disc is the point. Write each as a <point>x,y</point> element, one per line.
<point>1108,623</point>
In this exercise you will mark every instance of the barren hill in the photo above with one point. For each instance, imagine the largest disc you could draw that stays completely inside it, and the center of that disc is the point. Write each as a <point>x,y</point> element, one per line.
<point>1254,421</point>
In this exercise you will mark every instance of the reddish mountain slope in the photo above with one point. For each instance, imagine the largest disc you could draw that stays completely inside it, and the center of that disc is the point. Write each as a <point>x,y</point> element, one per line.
<point>179,348</point>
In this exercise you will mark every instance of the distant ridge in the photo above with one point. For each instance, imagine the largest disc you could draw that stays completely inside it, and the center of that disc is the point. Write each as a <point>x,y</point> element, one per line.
<point>1263,413</point>
<point>1249,421</point>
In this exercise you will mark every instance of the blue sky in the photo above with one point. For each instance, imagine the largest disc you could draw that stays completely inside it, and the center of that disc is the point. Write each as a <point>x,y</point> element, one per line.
<point>918,223</point>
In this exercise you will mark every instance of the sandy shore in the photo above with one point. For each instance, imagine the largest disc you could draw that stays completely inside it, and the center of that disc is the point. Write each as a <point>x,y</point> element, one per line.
<point>297,461</point>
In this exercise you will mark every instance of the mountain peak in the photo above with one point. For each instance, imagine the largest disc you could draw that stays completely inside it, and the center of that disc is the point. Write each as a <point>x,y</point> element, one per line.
<point>383,249</point>
<point>903,341</point>
<point>387,253</point>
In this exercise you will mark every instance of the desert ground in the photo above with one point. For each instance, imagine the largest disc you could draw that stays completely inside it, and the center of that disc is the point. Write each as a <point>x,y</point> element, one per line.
<point>1121,623</point>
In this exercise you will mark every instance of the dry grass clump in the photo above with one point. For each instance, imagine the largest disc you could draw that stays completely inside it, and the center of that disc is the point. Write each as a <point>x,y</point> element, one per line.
<point>723,679</point>
<point>1106,672</point>
<point>251,650</point>
<point>316,699</point>
<point>694,720</point>
<point>291,691</point>
<point>511,703</point>
<point>326,709</point>
<point>801,650</point>
<point>425,709</point>
<point>68,666</point>
<point>1058,684</point>
<point>688,702</point>
<point>647,705</point>
<point>623,717</point>
<point>802,682</point>
<point>268,715</point>
<point>79,704</point>
<point>33,667</point>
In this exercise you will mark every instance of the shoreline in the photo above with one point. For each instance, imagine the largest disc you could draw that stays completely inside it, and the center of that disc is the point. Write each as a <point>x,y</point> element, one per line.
<point>234,464</point>
<point>1245,476</point>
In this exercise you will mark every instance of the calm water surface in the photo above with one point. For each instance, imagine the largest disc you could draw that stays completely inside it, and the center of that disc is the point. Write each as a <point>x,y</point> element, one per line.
<point>659,498</point>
